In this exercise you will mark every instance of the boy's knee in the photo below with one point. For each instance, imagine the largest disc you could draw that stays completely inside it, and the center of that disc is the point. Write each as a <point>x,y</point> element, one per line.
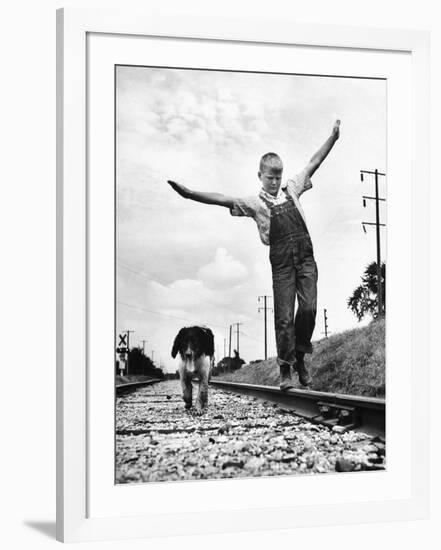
<point>283,323</point>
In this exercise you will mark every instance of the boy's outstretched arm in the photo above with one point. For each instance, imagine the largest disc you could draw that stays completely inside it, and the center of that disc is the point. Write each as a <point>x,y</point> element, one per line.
<point>322,153</point>
<point>201,196</point>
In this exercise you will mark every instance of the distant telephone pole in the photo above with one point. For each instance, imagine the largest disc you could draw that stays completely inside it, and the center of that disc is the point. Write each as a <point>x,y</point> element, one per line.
<point>265,309</point>
<point>128,337</point>
<point>237,333</point>
<point>377,223</point>
<point>229,349</point>
<point>143,346</point>
<point>326,323</point>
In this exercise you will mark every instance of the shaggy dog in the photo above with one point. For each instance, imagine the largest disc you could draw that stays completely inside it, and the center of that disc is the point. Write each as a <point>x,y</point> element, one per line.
<point>195,346</point>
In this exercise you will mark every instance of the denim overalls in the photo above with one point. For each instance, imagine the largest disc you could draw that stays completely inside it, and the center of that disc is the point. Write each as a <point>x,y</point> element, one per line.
<point>294,274</point>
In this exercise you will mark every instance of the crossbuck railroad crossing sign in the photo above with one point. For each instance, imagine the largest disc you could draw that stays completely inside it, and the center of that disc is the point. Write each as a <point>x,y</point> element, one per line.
<point>122,340</point>
<point>122,346</point>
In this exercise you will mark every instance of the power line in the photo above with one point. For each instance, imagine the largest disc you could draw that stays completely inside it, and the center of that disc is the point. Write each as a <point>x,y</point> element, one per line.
<point>139,308</point>
<point>265,308</point>
<point>132,270</point>
<point>146,277</point>
<point>248,336</point>
<point>166,315</point>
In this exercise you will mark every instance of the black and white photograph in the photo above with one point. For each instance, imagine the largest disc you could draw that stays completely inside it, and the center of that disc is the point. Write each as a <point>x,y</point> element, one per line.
<point>250,274</point>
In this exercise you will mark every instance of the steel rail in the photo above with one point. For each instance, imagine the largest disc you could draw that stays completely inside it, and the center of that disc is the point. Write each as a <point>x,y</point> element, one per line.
<point>365,414</point>
<point>132,386</point>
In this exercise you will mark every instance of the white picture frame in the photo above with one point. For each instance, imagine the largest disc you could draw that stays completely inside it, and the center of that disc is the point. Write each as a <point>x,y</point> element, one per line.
<point>75,381</point>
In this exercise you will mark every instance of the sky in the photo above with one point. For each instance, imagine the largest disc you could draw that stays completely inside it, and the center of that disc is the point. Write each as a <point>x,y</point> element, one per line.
<point>180,262</point>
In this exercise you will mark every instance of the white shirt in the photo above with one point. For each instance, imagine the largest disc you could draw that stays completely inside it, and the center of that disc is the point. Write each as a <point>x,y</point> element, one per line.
<point>256,207</point>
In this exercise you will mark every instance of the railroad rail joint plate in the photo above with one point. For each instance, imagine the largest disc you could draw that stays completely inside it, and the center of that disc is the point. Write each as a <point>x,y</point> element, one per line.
<point>333,414</point>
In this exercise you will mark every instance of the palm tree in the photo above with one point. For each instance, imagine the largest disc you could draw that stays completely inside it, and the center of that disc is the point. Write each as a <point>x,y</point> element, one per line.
<point>364,299</point>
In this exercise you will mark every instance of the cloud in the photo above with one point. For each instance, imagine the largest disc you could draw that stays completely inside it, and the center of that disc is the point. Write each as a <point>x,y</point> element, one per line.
<point>183,294</point>
<point>223,271</point>
<point>178,126</point>
<point>191,107</point>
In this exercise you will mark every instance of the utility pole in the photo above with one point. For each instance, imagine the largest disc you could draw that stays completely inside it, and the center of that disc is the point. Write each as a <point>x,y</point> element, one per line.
<point>225,347</point>
<point>377,223</point>
<point>152,355</point>
<point>237,333</point>
<point>265,308</point>
<point>143,346</point>
<point>128,349</point>
<point>229,349</point>
<point>326,323</point>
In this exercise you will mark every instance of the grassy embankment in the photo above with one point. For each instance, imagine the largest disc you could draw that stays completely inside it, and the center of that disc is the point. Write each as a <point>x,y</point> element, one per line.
<point>352,362</point>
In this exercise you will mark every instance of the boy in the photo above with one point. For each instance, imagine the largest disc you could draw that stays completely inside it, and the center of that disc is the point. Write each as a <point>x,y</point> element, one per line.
<point>281,224</point>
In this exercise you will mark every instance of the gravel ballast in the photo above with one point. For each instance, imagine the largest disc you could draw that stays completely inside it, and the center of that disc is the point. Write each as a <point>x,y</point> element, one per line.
<point>238,436</point>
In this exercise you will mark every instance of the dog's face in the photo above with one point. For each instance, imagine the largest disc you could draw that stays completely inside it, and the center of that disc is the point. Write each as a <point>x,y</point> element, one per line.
<point>193,342</point>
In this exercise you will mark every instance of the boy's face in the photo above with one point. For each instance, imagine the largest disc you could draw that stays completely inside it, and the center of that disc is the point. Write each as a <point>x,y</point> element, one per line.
<point>271,179</point>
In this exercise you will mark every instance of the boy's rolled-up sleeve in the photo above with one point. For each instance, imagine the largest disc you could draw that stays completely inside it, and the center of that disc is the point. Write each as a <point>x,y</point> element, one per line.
<point>300,183</point>
<point>244,206</point>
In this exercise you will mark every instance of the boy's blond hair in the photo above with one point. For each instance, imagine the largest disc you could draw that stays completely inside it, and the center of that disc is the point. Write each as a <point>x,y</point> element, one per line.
<point>270,160</point>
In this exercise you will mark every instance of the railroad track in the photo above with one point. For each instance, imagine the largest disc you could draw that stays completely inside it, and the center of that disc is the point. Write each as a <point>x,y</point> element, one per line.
<point>238,436</point>
<point>132,386</point>
<point>366,414</point>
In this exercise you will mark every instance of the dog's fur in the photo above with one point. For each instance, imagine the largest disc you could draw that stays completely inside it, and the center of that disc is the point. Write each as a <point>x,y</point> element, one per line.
<point>195,346</point>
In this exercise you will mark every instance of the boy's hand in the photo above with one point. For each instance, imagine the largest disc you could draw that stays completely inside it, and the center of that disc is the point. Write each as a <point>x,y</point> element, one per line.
<point>181,189</point>
<point>322,153</point>
<point>202,196</point>
<point>336,129</point>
